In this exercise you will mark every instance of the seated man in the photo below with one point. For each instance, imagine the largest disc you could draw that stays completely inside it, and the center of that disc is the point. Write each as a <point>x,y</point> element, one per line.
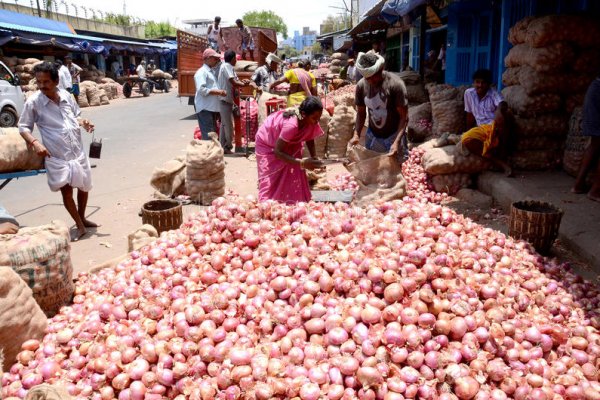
<point>488,121</point>
<point>8,223</point>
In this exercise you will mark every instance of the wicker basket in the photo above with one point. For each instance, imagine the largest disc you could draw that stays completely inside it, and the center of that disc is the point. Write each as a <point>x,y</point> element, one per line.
<point>536,222</point>
<point>164,215</point>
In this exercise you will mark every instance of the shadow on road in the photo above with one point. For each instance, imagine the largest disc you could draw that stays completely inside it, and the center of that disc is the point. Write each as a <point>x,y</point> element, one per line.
<point>191,117</point>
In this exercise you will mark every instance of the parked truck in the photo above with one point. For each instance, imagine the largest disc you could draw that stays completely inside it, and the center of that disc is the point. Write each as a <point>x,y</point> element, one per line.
<point>191,46</point>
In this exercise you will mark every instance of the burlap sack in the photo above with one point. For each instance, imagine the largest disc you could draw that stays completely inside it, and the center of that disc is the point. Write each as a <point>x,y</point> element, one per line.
<point>511,76</point>
<point>321,141</point>
<point>587,62</point>
<point>10,61</point>
<point>93,95</point>
<point>443,92</point>
<point>573,101</point>
<point>419,122</point>
<point>450,183</point>
<point>158,74</point>
<point>581,30</point>
<point>245,66</point>
<point>205,158</point>
<point>448,116</point>
<point>575,145</point>
<point>340,129</point>
<point>169,178</point>
<point>15,155</point>
<point>23,61</point>
<point>535,160</point>
<point>82,100</point>
<point>141,237</point>
<point>530,106</point>
<point>415,89</point>
<point>103,97</point>
<point>555,125</point>
<point>48,392</point>
<point>339,56</point>
<point>41,257</point>
<point>21,318</point>
<point>535,82</point>
<point>379,179</point>
<point>335,69</point>
<point>546,59</point>
<point>449,160</point>
<point>518,33</point>
<point>538,143</point>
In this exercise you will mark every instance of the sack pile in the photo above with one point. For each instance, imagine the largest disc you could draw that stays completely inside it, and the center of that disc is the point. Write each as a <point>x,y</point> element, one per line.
<point>576,144</point>
<point>415,89</point>
<point>340,129</point>
<point>110,87</point>
<point>91,73</point>
<point>338,61</point>
<point>169,178</point>
<point>447,109</point>
<point>450,183</point>
<point>552,63</point>
<point>379,177</point>
<point>15,155</point>
<point>22,319</point>
<point>249,110</point>
<point>93,94</point>
<point>205,170</point>
<point>244,66</point>
<point>21,67</point>
<point>41,256</point>
<point>419,127</point>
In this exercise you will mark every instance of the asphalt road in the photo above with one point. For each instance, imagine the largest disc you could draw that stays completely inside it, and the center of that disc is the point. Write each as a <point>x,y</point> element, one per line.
<point>138,135</point>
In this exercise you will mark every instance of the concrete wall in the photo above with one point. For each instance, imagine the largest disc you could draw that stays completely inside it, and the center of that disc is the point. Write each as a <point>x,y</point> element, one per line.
<point>136,31</point>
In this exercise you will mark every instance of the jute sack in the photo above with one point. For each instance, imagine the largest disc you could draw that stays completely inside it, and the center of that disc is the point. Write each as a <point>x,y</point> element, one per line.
<point>587,61</point>
<point>554,125</point>
<point>575,145</point>
<point>379,179</point>
<point>158,74</point>
<point>15,155</point>
<point>82,100</point>
<point>41,257</point>
<point>321,141</point>
<point>93,95</point>
<point>552,58</point>
<point>205,157</point>
<point>169,178</point>
<point>573,101</point>
<point>511,76</point>
<point>419,122</point>
<point>21,318</point>
<point>580,30</point>
<point>450,183</point>
<point>340,129</point>
<point>535,160</point>
<point>415,90</point>
<point>538,143</point>
<point>518,32</point>
<point>103,97</point>
<point>141,237</point>
<point>449,160</point>
<point>448,117</point>
<point>530,106</point>
<point>48,392</point>
<point>339,56</point>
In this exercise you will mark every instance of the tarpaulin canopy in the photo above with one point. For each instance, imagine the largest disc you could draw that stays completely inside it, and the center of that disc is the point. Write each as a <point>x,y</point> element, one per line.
<point>29,23</point>
<point>393,10</point>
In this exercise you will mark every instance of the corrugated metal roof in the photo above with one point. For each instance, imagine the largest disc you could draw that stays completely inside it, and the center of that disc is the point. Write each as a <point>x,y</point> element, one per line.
<point>30,23</point>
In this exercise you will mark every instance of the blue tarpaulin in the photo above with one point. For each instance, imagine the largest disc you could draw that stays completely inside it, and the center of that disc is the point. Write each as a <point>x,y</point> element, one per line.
<point>393,10</point>
<point>29,23</point>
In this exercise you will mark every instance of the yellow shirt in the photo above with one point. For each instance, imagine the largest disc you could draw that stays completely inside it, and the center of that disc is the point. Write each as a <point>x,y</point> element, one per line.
<point>290,75</point>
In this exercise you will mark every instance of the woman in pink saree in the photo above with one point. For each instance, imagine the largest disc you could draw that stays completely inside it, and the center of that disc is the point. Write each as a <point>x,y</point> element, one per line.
<point>279,144</point>
<point>302,85</point>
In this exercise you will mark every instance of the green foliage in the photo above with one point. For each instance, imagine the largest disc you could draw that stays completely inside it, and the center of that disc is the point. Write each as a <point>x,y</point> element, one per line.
<point>118,19</point>
<point>289,51</point>
<point>316,48</point>
<point>157,29</point>
<point>334,24</point>
<point>266,19</point>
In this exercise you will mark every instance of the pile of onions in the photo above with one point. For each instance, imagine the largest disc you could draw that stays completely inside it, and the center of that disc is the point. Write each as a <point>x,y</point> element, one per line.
<point>248,300</point>
<point>343,182</point>
<point>335,96</point>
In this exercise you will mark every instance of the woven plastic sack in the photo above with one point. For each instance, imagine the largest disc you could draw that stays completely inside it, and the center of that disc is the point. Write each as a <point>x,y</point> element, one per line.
<point>379,179</point>
<point>169,178</point>
<point>575,145</point>
<point>529,106</point>
<point>22,319</point>
<point>450,183</point>
<point>340,131</point>
<point>419,122</point>
<point>546,59</point>
<point>542,125</point>
<point>518,32</point>
<point>48,392</point>
<point>205,158</point>
<point>41,256</point>
<point>449,160</point>
<point>15,155</point>
<point>580,30</point>
<point>511,76</point>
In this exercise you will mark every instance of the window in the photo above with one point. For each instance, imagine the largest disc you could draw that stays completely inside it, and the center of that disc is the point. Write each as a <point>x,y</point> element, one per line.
<point>5,75</point>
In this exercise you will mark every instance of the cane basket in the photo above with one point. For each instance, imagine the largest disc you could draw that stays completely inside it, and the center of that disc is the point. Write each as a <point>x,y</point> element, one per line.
<point>164,215</point>
<point>536,222</point>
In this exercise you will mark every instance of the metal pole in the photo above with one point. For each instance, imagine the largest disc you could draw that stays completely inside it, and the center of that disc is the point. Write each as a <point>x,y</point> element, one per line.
<point>38,8</point>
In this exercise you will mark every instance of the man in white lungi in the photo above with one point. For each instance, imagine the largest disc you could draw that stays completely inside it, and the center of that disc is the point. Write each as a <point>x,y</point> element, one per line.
<point>58,119</point>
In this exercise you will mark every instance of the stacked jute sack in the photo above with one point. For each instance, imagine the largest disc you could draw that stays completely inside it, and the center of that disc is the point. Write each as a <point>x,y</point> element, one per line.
<point>576,143</point>
<point>448,168</point>
<point>338,61</point>
<point>340,130</point>
<point>245,66</point>
<point>15,155</point>
<point>22,67</point>
<point>41,256</point>
<point>318,179</point>
<point>169,179</point>
<point>447,110</point>
<point>553,61</point>
<point>91,73</point>
<point>205,170</point>
<point>160,74</point>
<point>419,107</point>
<point>112,88</point>
<point>93,95</point>
<point>416,93</point>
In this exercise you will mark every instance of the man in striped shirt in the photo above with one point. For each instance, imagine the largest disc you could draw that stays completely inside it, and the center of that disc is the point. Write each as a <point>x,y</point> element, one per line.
<point>488,121</point>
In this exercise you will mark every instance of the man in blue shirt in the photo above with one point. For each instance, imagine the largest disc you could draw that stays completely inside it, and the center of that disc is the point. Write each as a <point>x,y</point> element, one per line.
<point>208,92</point>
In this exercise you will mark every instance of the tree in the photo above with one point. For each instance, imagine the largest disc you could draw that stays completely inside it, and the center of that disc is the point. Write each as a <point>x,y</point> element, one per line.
<point>157,29</point>
<point>118,19</point>
<point>289,51</point>
<point>334,24</point>
<point>266,19</point>
<point>316,48</point>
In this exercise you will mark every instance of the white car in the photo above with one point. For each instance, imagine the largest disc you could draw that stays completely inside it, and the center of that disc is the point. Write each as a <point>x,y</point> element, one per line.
<point>12,99</point>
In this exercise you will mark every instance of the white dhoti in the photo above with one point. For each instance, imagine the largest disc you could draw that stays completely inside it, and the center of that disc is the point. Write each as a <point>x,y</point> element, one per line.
<point>76,173</point>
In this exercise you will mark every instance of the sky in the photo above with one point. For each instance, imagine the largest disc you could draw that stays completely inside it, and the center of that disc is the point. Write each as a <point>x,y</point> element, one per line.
<point>311,13</point>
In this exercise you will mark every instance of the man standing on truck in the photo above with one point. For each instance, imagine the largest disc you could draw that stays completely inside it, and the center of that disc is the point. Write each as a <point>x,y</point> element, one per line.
<point>208,93</point>
<point>214,34</point>
<point>247,40</point>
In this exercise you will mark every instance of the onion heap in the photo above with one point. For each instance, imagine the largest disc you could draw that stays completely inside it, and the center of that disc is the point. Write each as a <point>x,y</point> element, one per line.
<point>344,181</point>
<point>401,300</point>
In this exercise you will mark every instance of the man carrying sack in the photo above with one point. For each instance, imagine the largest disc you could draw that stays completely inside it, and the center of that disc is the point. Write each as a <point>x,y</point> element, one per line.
<point>261,79</point>
<point>384,94</point>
